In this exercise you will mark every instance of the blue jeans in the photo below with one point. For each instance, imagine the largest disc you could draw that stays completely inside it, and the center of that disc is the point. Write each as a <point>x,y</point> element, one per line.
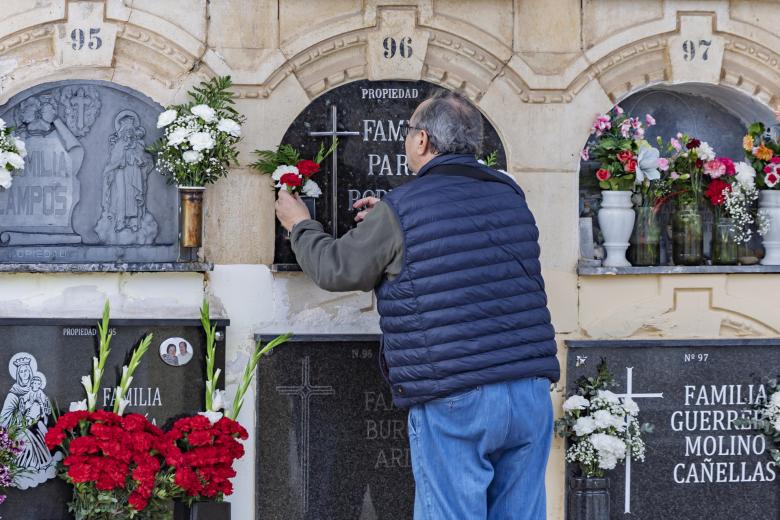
<point>482,453</point>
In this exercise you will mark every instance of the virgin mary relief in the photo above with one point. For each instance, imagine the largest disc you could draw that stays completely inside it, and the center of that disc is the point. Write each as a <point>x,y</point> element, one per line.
<point>28,406</point>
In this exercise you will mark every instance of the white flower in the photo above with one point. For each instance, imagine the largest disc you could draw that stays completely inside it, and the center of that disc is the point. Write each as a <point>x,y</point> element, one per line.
<point>204,112</point>
<point>213,417</point>
<point>201,141</point>
<point>746,174</point>
<point>218,401</point>
<point>78,406</point>
<point>584,426</point>
<point>610,449</point>
<point>5,179</point>
<point>21,148</point>
<point>777,425</point>
<point>705,152</point>
<point>775,399</point>
<point>178,136</point>
<point>604,420</point>
<point>630,406</point>
<point>86,382</point>
<point>311,189</point>
<point>647,164</point>
<point>229,126</point>
<point>575,402</point>
<point>608,396</point>
<point>2,124</point>
<point>281,170</point>
<point>15,160</point>
<point>191,156</point>
<point>166,118</point>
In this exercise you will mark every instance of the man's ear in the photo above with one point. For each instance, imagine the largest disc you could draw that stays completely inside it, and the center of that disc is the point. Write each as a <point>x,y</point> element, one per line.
<point>423,142</point>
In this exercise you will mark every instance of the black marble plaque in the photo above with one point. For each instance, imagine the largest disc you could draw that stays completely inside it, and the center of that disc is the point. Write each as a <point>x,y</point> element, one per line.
<point>89,191</point>
<point>57,353</point>
<point>699,463</point>
<point>330,444</point>
<point>370,159</point>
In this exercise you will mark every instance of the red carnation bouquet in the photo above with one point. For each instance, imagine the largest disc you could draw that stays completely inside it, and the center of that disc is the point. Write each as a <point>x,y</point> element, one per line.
<point>289,171</point>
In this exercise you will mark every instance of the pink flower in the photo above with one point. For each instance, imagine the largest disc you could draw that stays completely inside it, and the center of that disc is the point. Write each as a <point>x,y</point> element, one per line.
<point>635,123</point>
<point>625,128</point>
<point>619,111</point>
<point>601,124</point>
<point>640,133</point>
<point>715,168</point>
<point>675,143</point>
<point>649,119</point>
<point>729,164</point>
<point>602,174</point>
<point>772,179</point>
<point>663,164</point>
<point>585,154</point>
<point>674,176</point>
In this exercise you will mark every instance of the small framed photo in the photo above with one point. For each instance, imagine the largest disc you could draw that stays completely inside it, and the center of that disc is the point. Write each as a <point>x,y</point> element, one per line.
<point>176,352</point>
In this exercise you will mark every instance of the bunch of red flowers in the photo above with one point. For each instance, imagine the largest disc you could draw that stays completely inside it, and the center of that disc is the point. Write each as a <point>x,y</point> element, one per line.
<point>110,452</point>
<point>202,453</point>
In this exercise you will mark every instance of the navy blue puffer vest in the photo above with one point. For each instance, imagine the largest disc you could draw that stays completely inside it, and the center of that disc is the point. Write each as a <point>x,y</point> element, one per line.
<point>469,307</point>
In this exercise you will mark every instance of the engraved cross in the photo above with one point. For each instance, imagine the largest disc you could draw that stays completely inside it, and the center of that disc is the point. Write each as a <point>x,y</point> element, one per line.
<point>80,101</point>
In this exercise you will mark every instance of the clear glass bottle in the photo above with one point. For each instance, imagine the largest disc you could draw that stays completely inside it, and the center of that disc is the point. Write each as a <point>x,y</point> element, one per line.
<point>687,234</point>
<point>725,250</point>
<point>646,238</point>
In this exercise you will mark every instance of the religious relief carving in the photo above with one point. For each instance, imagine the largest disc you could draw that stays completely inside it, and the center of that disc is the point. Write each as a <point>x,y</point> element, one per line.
<point>125,219</point>
<point>79,106</point>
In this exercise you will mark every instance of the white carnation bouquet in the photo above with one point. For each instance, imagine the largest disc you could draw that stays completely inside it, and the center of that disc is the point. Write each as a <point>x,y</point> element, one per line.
<point>12,154</point>
<point>602,428</point>
<point>767,420</point>
<point>199,143</point>
<point>289,171</point>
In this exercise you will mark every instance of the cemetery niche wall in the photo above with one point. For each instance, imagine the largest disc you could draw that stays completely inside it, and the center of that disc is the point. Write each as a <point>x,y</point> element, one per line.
<point>330,443</point>
<point>89,191</point>
<point>365,117</point>
<point>700,462</point>
<point>715,114</point>
<point>43,361</point>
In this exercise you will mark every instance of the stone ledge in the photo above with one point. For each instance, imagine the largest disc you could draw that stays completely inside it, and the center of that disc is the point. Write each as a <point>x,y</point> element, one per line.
<point>176,267</point>
<point>286,268</point>
<point>321,338</point>
<point>676,269</point>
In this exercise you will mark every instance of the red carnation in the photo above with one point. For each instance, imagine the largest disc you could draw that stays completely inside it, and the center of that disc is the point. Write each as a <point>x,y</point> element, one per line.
<point>307,168</point>
<point>699,163</point>
<point>630,166</point>
<point>693,143</point>
<point>290,179</point>
<point>625,156</point>
<point>603,174</point>
<point>716,192</point>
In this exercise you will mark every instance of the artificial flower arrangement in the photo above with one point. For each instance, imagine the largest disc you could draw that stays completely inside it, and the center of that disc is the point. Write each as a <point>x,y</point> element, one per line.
<point>687,157</point>
<point>763,153</point>
<point>767,417</point>
<point>11,447</point>
<point>602,428</point>
<point>198,146</point>
<point>290,171</point>
<point>12,154</point>
<point>625,158</point>
<point>121,465</point>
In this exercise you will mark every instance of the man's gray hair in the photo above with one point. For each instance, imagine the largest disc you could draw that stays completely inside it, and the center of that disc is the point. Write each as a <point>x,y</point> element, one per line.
<point>453,124</point>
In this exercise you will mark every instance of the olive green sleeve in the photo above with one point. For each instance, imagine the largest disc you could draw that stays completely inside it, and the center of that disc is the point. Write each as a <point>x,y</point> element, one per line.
<point>359,260</point>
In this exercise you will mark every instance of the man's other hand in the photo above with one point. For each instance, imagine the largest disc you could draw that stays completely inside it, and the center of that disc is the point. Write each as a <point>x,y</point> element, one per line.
<point>365,204</point>
<point>290,209</point>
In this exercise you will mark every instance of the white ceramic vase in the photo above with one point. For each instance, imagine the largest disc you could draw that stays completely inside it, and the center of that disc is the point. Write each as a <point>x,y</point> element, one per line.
<point>769,207</point>
<point>616,220</point>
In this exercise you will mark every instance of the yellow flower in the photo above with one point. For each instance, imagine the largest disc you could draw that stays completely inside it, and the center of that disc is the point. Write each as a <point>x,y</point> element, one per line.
<point>763,153</point>
<point>747,143</point>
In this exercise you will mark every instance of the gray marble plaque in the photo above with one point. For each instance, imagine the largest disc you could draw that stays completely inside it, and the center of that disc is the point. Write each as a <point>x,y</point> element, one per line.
<point>89,191</point>
<point>700,462</point>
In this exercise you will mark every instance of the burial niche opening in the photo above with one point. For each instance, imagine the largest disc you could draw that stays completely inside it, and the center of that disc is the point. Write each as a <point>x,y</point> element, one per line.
<point>369,160</point>
<point>714,114</point>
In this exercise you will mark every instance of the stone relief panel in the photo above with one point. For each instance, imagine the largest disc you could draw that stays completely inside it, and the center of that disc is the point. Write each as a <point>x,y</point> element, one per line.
<point>89,191</point>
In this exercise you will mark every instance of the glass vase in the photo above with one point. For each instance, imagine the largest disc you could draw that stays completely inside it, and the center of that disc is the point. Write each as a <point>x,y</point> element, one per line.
<point>687,235</point>
<point>646,238</point>
<point>725,250</point>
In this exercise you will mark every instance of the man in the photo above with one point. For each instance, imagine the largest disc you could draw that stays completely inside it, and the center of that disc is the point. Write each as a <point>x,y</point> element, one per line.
<point>467,339</point>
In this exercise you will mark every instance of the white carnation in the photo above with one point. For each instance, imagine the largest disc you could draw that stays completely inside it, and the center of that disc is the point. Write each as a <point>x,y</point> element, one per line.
<point>311,189</point>
<point>204,112</point>
<point>191,156</point>
<point>775,399</point>
<point>166,118</point>
<point>575,402</point>
<point>178,136</point>
<point>230,127</point>
<point>705,152</point>
<point>777,424</point>
<point>21,148</point>
<point>201,141</point>
<point>5,179</point>
<point>610,449</point>
<point>604,420</point>
<point>281,170</point>
<point>15,160</point>
<point>630,406</point>
<point>584,426</point>
<point>608,396</point>
<point>746,174</point>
